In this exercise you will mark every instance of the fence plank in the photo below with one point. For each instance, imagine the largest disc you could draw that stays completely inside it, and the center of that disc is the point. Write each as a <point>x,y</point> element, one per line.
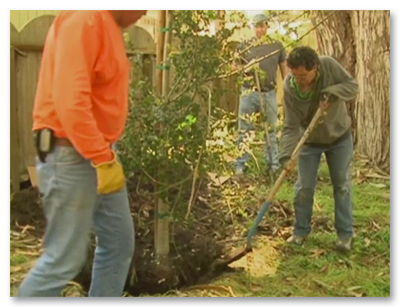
<point>34,33</point>
<point>27,77</point>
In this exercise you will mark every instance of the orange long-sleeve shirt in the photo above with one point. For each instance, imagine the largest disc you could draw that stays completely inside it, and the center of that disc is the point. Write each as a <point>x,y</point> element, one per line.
<point>82,93</point>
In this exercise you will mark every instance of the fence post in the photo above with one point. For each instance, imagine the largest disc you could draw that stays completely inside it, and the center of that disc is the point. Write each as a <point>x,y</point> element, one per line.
<point>14,134</point>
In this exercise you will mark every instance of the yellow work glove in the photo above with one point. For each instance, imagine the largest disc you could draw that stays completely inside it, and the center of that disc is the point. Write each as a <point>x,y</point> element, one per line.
<point>110,176</point>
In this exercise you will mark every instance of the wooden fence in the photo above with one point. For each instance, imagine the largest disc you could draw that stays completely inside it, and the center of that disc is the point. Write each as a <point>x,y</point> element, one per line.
<point>25,56</point>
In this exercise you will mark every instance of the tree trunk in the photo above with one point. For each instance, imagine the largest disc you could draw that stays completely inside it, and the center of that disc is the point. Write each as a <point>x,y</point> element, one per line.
<point>360,41</point>
<point>335,38</point>
<point>372,40</point>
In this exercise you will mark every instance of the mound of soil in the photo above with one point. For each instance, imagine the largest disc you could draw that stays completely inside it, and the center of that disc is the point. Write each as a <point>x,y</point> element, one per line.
<point>193,245</point>
<point>26,209</point>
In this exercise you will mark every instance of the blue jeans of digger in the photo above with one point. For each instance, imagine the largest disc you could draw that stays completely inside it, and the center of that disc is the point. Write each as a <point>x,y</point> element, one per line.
<point>67,183</point>
<point>249,104</point>
<point>338,158</point>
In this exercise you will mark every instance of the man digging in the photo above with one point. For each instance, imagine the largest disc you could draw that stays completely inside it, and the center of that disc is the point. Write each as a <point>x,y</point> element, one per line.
<point>313,80</point>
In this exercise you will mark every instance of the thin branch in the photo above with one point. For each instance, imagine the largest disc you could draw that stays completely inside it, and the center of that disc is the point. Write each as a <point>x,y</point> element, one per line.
<point>170,186</point>
<point>178,81</point>
<point>192,193</point>
<point>254,44</point>
<point>256,61</point>
<point>196,170</point>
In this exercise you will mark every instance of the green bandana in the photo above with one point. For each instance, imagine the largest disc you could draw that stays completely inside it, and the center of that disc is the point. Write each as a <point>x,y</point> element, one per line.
<point>304,95</point>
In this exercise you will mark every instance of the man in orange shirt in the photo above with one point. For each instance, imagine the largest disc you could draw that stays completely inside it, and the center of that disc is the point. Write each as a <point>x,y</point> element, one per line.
<point>79,113</point>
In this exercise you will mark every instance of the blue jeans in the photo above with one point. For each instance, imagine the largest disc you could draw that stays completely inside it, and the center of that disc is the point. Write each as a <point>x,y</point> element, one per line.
<point>249,104</point>
<point>67,183</point>
<point>339,159</point>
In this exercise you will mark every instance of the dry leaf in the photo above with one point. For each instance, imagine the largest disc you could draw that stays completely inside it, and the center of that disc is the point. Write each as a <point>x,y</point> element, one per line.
<point>251,188</point>
<point>202,199</point>
<point>354,288</point>
<point>218,180</point>
<point>26,228</point>
<point>228,158</point>
<point>367,242</point>
<point>317,252</point>
<point>324,269</point>
<point>377,176</point>
<point>376,225</point>
<point>378,185</point>
<point>322,284</point>
<point>29,253</point>
<point>15,269</point>
<point>355,294</point>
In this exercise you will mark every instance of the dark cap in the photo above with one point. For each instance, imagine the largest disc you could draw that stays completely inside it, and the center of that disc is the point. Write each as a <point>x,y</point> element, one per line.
<point>260,18</point>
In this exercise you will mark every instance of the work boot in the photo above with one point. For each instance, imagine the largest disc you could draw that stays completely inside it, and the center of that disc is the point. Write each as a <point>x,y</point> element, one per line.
<point>297,240</point>
<point>343,244</point>
<point>276,168</point>
<point>239,172</point>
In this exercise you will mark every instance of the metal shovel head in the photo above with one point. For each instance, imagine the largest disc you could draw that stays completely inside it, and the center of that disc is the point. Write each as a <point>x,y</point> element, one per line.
<point>232,256</point>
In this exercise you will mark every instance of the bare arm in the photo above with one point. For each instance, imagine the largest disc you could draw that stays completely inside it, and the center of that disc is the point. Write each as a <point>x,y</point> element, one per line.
<point>284,69</point>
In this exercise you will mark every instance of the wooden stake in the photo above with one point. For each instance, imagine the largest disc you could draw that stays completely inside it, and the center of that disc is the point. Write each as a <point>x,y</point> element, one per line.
<point>160,50</point>
<point>167,43</point>
<point>161,222</point>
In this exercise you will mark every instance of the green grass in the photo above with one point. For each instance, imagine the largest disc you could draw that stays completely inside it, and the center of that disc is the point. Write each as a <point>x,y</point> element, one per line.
<point>316,268</point>
<point>18,259</point>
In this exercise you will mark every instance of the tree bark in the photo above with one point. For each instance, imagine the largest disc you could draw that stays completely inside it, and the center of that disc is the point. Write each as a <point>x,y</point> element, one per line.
<point>335,38</point>
<point>372,109</point>
<point>360,41</point>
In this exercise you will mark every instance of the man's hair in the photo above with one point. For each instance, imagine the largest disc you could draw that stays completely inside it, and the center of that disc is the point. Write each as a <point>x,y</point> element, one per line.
<point>303,56</point>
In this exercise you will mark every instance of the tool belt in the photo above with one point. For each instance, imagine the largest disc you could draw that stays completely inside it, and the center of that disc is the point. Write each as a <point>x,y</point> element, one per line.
<point>45,141</point>
<point>264,89</point>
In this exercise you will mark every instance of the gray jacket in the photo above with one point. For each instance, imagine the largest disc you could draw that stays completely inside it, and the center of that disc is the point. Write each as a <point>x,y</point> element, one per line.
<point>335,80</point>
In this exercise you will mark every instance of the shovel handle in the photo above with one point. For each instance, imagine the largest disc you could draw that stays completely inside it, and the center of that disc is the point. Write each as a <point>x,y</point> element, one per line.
<point>295,153</point>
<point>282,176</point>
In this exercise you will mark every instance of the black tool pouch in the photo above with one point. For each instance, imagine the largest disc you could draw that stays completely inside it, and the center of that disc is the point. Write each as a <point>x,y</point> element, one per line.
<point>44,143</point>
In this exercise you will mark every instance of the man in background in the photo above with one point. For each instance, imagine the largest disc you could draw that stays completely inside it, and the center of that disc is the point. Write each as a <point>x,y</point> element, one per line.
<point>260,46</point>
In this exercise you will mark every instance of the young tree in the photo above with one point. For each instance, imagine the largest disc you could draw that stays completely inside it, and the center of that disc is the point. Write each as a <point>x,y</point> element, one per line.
<point>165,138</point>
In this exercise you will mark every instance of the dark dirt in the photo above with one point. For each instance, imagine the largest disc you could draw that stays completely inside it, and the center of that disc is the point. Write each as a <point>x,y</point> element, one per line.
<point>26,209</point>
<point>193,247</point>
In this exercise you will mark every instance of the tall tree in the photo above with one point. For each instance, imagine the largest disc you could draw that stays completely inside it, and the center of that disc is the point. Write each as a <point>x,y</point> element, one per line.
<point>360,41</point>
